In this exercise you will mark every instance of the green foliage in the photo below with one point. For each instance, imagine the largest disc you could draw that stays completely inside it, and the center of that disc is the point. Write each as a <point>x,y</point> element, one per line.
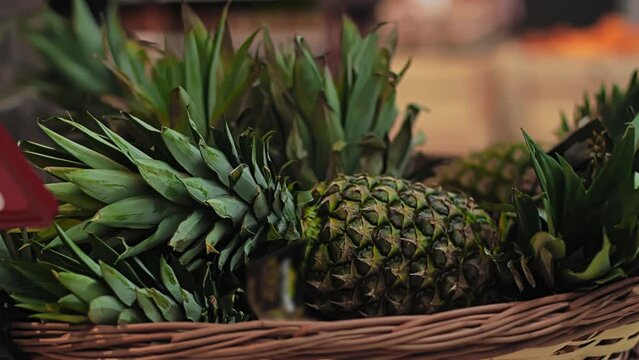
<point>587,232</point>
<point>614,107</point>
<point>209,205</point>
<point>74,76</point>
<point>210,80</point>
<point>337,123</point>
<point>330,123</point>
<point>90,283</point>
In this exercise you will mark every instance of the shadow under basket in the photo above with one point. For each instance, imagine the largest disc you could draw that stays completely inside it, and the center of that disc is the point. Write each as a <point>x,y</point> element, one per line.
<point>600,324</point>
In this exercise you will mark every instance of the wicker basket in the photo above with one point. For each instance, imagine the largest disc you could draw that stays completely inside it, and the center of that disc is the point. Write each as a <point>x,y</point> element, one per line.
<point>602,324</point>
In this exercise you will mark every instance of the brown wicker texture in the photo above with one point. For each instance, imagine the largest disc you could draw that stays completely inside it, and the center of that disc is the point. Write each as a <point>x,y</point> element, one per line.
<point>601,324</point>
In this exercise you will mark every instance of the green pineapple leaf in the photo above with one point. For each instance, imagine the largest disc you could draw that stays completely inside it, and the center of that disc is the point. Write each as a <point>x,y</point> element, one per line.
<point>73,303</point>
<point>105,310</point>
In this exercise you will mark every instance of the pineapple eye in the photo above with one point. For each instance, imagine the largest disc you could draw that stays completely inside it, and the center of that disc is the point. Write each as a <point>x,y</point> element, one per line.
<point>471,273</point>
<point>408,198</point>
<point>423,301</point>
<point>457,232</point>
<point>384,240</point>
<point>408,242</point>
<point>417,273</point>
<point>354,235</point>
<point>381,195</point>
<point>370,287</point>
<point>340,250</point>
<point>353,193</point>
<point>332,190</point>
<point>419,188</point>
<point>438,204</point>
<point>369,211</point>
<point>373,309</point>
<point>338,271</point>
<point>448,284</point>
<point>394,270</point>
<point>398,300</point>
<point>331,230</point>
<point>425,221</point>
<point>345,300</point>
<point>439,253</point>
<point>365,259</point>
<point>341,212</point>
<point>408,246</point>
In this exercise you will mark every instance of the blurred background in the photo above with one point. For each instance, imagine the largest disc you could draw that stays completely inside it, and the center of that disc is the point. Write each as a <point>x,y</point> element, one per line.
<point>484,68</point>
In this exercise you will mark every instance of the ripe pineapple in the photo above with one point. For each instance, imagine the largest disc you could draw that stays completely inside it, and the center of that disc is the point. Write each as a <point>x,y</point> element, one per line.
<point>394,246</point>
<point>487,175</point>
<point>385,246</point>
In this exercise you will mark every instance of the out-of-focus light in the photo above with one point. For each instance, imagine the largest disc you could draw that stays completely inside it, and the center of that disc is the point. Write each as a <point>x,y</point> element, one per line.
<point>436,5</point>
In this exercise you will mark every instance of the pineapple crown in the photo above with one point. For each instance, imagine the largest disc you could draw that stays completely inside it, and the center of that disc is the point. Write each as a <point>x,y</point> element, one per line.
<point>348,115</point>
<point>209,205</point>
<point>74,76</point>
<point>71,285</point>
<point>211,78</point>
<point>614,108</point>
<point>120,73</point>
<point>586,233</point>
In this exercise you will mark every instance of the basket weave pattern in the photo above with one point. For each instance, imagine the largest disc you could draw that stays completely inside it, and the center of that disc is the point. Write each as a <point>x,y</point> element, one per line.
<point>601,324</point>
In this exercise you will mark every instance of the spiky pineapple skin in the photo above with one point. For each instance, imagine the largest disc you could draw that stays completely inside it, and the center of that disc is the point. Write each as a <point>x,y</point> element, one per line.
<point>383,246</point>
<point>487,175</point>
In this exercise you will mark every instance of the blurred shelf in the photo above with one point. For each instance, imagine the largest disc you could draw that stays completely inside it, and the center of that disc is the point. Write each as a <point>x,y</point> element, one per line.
<point>476,100</point>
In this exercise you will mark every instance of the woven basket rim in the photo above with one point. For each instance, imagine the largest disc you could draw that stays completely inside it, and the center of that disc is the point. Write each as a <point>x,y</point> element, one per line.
<point>486,331</point>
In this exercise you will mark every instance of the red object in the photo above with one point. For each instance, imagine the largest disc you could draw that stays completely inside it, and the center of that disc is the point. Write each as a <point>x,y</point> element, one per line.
<point>24,201</point>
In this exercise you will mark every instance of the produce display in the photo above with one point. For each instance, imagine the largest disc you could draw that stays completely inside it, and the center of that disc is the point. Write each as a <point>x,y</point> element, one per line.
<point>223,156</point>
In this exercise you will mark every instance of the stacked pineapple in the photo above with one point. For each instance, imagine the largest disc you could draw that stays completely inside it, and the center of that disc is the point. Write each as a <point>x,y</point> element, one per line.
<point>376,245</point>
<point>160,226</point>
<point>205,198</point>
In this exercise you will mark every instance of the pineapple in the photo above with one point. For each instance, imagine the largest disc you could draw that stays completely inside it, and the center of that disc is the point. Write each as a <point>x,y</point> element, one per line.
<point>376,245</point>
<point>385,246</point>
<point>487,175</point>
